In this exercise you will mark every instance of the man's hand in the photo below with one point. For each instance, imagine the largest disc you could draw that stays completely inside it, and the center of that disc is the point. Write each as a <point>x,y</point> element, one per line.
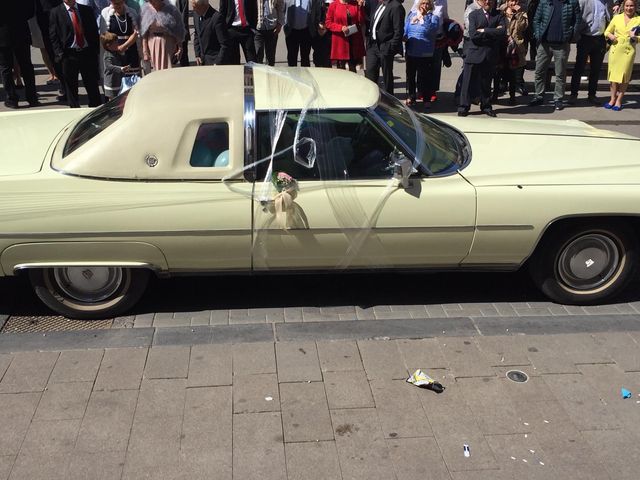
<point>321,29</point>
<point>277,29</point>
<point>198,61</point>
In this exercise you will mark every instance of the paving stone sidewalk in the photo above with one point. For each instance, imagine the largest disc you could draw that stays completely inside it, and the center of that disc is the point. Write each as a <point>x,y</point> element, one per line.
<point>326,410</point>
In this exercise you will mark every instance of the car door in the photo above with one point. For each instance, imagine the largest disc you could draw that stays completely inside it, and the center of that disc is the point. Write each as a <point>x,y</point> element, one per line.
<point>347,211</point>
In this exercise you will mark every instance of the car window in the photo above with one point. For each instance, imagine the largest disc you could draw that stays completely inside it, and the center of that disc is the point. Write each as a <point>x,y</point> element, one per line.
<point>211,146</point>
<point>349,145</point>
<point>95,122</point>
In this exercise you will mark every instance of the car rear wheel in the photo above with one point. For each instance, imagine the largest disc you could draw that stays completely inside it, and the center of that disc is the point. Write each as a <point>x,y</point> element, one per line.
<point>89,292</point>
<point>582,265</point>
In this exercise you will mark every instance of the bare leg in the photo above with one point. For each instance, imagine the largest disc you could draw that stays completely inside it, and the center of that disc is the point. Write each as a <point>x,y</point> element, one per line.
<point>622,89</point>
<point>613,88</point>
<point>48,64</point>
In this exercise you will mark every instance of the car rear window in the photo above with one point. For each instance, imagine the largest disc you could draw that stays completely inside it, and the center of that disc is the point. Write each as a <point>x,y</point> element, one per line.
<point>95,122</point>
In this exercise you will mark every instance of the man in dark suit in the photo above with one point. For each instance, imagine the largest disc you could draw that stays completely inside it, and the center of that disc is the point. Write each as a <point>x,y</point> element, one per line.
<point>183,7</point>
<point>384,41</point>
<point>320,34</point>
<point>210,36</point>
<point>74,36</point>
<point>487,30</point>
<point>240,18</point>
<point>14,41</point>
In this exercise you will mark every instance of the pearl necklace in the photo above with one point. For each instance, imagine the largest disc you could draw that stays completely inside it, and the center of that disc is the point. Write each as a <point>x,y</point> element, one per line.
<point>120,23</point>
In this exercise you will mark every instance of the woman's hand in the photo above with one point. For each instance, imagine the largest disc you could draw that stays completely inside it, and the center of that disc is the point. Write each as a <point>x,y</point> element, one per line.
<point>146,56</point>
<point>178,52</point>
<point>345,29</point>
<point>613,38</point>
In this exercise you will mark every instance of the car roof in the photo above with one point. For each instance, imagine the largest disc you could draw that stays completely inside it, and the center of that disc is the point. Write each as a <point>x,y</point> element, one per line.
<point>275,88</point>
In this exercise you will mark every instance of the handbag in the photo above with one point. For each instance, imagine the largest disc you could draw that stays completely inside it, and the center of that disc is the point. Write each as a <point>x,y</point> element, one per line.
<point>128,81</point>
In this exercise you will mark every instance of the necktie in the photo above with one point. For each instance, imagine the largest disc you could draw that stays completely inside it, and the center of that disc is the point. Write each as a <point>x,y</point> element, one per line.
<point>243,19</point>
<point>77,28</point>
<point>486,15</point>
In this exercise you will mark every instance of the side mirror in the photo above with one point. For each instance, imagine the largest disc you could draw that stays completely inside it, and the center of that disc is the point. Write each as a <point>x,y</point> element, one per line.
<point>305,152</point>
<point>402,168</point>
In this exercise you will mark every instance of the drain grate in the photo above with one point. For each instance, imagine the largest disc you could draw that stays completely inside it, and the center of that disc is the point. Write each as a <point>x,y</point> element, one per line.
<point>51,323</point>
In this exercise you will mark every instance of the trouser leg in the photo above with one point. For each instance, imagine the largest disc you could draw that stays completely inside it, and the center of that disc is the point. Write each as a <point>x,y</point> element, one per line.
<point>305,48</point>
<point>425,72</point>
<point>434,81</point>
<point>90,76</point>
<point>23,56</point>
<point>387,73</point>
<point>543,58</point>
<point>70,70</point>
<point>372,71</point>
<point>271,42</point>
<point>560,57</point>
<point>469,77</point>
<point>598,51</point>
<point>247,43</point>
<point>6,70</point>
<point>411,69</point>
<point>293,45</point>
<point>260,40</point>
<point>582,53</point>
<point>485,72</point>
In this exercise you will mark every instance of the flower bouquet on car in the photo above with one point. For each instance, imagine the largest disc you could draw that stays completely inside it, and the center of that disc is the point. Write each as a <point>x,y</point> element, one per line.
<point>283,201</point>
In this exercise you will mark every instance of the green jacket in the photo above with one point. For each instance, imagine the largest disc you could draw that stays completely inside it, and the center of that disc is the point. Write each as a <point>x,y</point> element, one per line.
<point>571,18</point>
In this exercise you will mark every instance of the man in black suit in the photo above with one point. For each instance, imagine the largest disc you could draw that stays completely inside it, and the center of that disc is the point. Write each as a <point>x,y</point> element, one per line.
<point>320,34</point>
<point>210,36</point>
<point>240,18</point>
<point>14,40</point>
<point>487,30</point>
<point>384,41</point>
<point>74,36</point>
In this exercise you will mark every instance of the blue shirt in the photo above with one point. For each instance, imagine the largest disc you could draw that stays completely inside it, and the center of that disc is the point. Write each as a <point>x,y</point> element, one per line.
<point>421,37</point>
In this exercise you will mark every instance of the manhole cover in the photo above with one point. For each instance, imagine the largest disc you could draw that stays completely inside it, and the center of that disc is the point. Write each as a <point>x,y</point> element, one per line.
<point>51,323</point>
<point>517,376</point>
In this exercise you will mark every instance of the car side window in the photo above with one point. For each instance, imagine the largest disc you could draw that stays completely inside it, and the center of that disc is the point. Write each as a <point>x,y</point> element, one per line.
<point>211,146</point>
<point>349,145</point>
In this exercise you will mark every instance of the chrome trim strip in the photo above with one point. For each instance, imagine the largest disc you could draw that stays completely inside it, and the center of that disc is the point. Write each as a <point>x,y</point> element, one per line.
<point>202,233</point>
<point>505,227</point>
<point>249,121</point>
<point>26,266</point>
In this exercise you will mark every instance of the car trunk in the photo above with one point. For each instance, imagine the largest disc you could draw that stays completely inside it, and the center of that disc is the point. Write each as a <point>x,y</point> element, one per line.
<point>26,136</point>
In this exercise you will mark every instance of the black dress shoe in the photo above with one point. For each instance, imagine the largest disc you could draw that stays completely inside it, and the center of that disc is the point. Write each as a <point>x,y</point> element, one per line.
<point>558,105</point>
<point>490,113</point>
<point>536,102</point>
<point>463,113</point>
<point>593,100</point>
<point>35,103</point>
<point>512,100</point>
<point>522,90</point>
<point>11,103</point>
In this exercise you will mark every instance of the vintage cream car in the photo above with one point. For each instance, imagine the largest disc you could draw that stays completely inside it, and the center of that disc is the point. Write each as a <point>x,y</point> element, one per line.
<point>254,169</point>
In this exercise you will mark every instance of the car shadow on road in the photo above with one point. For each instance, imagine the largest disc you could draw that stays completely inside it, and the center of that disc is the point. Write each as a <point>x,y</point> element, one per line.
<point>365,290</point>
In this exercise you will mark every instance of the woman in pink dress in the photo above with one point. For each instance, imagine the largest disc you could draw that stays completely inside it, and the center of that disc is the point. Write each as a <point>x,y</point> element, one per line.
<point>162,32</point>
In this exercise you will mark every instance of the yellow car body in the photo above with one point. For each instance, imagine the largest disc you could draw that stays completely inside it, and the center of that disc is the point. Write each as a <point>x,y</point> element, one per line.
<point>129,198</point>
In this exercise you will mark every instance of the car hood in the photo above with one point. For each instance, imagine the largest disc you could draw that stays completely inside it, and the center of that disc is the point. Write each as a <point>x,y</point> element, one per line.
<point>543,152</point>
<point>26,136</point>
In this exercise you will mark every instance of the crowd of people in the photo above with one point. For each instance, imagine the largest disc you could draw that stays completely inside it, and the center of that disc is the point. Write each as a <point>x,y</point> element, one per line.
<point>113,42</point>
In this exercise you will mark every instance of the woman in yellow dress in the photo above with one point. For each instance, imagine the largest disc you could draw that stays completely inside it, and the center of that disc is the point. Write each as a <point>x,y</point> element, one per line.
<point>623,32</point>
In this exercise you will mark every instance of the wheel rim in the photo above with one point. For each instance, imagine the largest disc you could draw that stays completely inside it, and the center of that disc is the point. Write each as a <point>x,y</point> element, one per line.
<point>88,284</point>
<point>589,261</point>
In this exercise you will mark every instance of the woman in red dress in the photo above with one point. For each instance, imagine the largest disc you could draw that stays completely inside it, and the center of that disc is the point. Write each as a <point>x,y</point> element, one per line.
<point>346,21</point>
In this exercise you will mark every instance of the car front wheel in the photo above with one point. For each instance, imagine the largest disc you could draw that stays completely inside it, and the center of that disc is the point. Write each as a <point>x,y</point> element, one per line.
<point>89,292</point>
<point>582,265</point>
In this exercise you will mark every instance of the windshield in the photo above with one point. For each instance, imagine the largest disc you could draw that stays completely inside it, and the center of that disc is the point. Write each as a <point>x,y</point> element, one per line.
<point>95,122</point>
<point>438,147</point>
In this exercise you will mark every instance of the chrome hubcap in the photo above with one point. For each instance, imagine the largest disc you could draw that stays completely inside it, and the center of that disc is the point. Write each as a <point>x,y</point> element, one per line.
<point>88,284</point>
<point>588,261</point>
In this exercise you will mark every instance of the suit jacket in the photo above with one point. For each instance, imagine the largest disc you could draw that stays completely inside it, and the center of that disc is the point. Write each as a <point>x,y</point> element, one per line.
<point>228,11</point>
<point>210,37</point>
<point>14,29</point>
<point>485,46</point>
<point>390,28</point>
<point>61,29</point>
